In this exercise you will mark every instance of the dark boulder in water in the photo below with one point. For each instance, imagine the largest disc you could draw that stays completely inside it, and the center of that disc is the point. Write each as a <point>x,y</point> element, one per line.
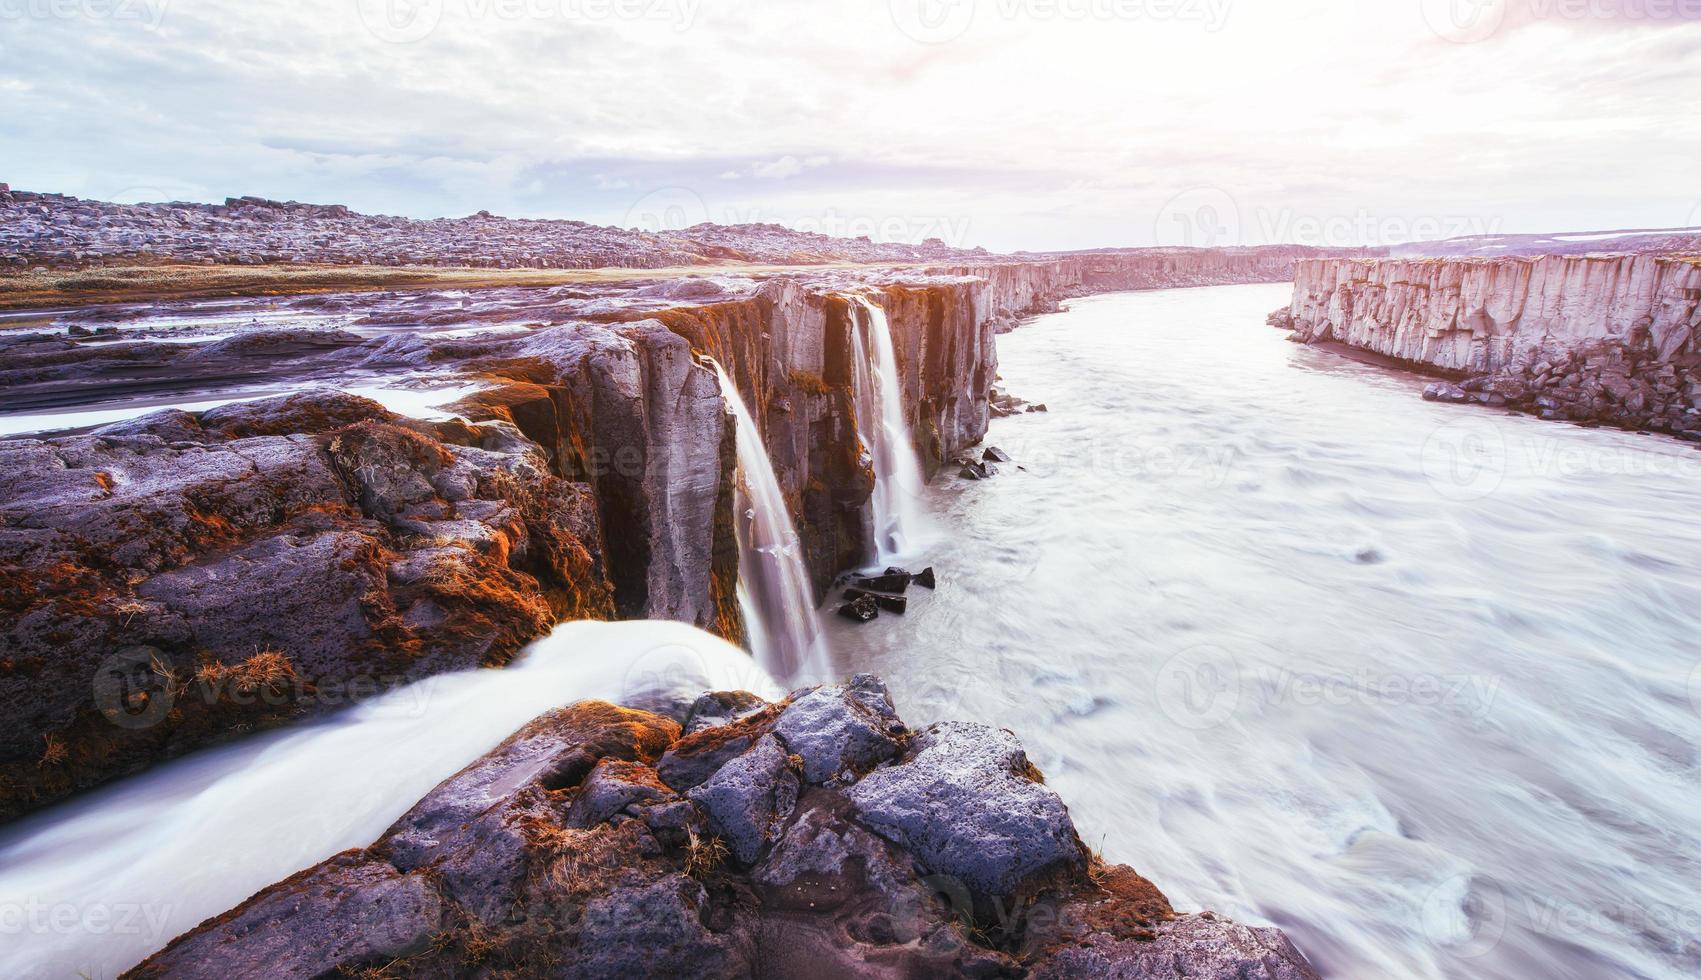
<point>888,603</point>
<point>861,610</point>
<point>898,582</point>
<point>995,455</point>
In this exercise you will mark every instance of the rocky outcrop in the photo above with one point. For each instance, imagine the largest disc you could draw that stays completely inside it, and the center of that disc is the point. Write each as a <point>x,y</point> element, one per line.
<point>1028,286</point>
<point>1600,338</point>
<point>179,578</point>
<point>596,402</point>
<point>57,231</point>
<point>601,842</point>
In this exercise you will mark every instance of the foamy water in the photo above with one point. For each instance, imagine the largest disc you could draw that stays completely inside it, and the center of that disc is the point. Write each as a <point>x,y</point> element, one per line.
<point>774,593</point>
<point>93,886</point>
<point>898,507</point>
<point>1418,683</point>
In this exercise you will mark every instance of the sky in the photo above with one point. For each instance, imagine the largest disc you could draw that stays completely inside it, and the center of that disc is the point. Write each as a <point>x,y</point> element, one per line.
<point>1008,124</point>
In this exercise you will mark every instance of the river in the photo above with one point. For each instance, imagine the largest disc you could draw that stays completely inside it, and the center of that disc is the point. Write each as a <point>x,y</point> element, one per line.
<point>1417,683</point>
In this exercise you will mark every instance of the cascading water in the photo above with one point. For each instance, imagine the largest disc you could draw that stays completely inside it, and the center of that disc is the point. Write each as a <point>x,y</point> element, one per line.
<point>900,521</point>
<point>93,886</point>
<point>773,586</point>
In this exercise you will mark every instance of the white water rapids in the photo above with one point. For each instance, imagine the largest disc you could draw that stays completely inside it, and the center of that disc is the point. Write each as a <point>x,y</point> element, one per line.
<point>93,886</point>
<point>900,523</point>
<point>773,586</point>
<point>1419,683</point>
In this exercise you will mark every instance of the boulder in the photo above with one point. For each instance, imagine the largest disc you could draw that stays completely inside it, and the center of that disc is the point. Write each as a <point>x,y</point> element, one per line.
<point>863,610</point>
<point>891,581</point>
<point>560,853</point>
<point>749,799</point>
<point>841,731</point>
<point>886,602</point>
<point>966,803</point>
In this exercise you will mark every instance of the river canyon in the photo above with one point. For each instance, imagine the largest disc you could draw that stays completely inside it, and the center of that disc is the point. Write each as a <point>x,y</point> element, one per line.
<point>1326,647</point>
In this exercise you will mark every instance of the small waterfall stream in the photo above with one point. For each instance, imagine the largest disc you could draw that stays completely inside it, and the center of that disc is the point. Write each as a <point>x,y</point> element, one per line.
<point>899,518</point>
<point>773,586</point>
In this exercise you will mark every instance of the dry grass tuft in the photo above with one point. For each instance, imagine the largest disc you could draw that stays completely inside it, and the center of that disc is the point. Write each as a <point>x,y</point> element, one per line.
<point>55,753</point>
<point>703,855</point>
<point>479,945</point>
<point>265,670</point>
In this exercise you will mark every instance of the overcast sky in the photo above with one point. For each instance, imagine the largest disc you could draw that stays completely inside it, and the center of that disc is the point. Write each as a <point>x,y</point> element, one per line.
<point>1012,124</point>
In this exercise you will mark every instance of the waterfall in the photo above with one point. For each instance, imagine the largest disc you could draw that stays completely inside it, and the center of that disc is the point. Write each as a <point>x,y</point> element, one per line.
<point>773,586</point>
<point>189,839</point>
<point>900,521</point>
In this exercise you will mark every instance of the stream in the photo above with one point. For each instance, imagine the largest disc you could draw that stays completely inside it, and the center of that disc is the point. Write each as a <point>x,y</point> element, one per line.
<point>1417,683</point>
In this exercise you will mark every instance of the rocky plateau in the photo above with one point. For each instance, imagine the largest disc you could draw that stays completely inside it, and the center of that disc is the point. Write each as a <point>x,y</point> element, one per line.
<point>818,836</point>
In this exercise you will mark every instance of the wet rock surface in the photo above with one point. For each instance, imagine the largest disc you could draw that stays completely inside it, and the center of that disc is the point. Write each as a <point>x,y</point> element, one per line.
<point>568,851</point>
<point>1597,339</point>
<point>176,579</point>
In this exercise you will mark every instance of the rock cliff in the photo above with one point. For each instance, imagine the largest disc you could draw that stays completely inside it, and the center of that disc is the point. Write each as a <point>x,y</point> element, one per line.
<point>1607,338</point>
<point>595,479</point>
<point>818,836</point>
<point>1026,286</point>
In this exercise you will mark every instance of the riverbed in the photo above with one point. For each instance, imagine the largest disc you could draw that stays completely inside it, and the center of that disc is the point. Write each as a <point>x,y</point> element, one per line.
<point>1418,683</point>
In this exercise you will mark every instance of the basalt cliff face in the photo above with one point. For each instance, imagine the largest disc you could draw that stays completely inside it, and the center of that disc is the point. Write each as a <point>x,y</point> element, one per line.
<point>177,578</point>
<point>1597,338</point>
<point>182,577</point>
<point>1025,287</point>
<point>818,836</point>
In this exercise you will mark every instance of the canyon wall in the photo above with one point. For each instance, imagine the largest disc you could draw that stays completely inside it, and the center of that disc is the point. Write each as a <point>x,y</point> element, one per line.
<point>595,479</point>
<point>1025,287</point>
<point>1607,338</point>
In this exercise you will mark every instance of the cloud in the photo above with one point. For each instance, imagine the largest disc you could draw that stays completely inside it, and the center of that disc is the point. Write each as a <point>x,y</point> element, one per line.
<point>1317,108</point>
